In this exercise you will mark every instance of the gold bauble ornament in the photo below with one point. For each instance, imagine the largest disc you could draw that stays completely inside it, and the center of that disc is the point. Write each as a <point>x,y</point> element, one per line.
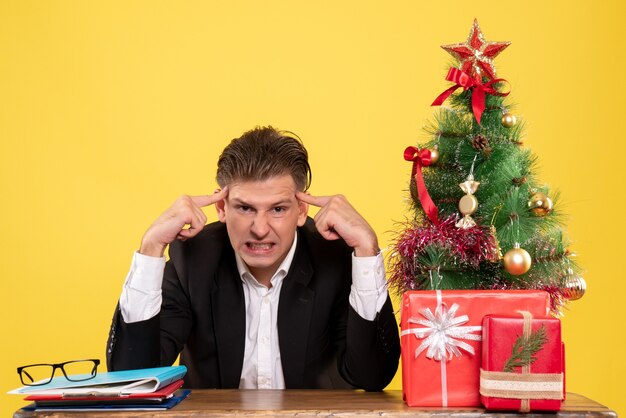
<point>574,286</point>
<point>508,120</point>
<point>434,155</point>
<point>517,261</point>
<point>540,204</point>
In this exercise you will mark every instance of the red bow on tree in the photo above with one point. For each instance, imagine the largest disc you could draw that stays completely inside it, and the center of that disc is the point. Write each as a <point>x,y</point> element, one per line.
<point>464,80</point>
<point>422,158</point>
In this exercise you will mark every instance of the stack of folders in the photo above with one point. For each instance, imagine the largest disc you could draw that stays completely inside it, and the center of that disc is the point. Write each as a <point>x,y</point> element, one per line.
<point>142,389</point>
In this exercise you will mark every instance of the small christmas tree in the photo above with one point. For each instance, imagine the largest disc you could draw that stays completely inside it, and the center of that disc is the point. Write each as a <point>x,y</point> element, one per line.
<point>475,195</point>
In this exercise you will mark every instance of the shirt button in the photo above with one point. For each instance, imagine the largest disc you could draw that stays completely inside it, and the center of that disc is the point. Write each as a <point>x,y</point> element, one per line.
<point>265,340</point>
<point>266,301</point>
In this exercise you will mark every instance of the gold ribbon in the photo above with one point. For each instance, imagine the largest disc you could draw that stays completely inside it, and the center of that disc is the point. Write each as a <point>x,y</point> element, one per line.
<point>525,405</point>
<point>521,386</point>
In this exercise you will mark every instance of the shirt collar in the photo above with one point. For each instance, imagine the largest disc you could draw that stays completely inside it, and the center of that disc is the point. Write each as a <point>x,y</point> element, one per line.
<point>281,271</point>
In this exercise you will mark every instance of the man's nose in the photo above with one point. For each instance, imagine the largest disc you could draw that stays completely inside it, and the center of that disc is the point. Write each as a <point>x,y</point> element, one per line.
<point>260,225</point>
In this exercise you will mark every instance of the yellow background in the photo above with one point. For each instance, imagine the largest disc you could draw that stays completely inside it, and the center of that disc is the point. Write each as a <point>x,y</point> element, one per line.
<point>110,110</point>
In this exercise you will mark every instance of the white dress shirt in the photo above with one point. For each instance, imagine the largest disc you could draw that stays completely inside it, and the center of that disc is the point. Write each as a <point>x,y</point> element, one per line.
<point>262,367</point>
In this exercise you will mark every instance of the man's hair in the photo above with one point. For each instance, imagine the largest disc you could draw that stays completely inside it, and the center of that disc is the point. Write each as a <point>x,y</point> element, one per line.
<point>261,153</point>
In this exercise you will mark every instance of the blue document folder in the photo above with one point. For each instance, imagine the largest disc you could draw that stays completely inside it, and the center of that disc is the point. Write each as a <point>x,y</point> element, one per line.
<point>110,383</point>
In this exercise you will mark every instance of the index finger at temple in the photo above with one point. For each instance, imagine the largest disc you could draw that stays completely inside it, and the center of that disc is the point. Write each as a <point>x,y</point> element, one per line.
<point>206,200</point>
<point>318,201</point>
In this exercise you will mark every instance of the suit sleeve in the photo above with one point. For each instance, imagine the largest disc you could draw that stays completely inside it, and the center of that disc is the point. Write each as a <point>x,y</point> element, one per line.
<point>372,349</point>
<point>372,330</point>
<point>158,340</point>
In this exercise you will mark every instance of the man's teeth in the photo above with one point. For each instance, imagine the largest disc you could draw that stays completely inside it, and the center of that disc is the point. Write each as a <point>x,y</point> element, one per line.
<point>259,246</point>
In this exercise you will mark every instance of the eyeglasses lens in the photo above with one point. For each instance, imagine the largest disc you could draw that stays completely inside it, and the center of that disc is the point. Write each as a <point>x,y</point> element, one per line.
<point>79,370</point>
<point>37,374</point>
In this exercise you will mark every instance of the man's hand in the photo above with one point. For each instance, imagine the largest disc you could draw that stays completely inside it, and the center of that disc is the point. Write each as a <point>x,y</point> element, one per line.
<point>171,225</point>
<point>338,219</point>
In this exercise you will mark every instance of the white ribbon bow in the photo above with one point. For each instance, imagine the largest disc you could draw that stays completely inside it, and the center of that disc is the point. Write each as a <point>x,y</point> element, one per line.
<point>443,332</point>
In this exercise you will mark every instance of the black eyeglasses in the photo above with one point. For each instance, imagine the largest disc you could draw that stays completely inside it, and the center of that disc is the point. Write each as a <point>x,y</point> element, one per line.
<point>74,371</point>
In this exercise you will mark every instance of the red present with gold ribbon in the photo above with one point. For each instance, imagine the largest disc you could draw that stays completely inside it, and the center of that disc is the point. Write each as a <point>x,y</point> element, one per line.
<point>522,363</point>
<point>441,340</point>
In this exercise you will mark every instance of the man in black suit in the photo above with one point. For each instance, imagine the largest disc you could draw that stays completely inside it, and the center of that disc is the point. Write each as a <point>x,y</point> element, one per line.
<point>266,297</point>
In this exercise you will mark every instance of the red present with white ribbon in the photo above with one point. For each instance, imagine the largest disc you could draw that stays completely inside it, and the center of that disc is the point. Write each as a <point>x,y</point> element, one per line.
<point>523,368</point>
<point>441,340</point>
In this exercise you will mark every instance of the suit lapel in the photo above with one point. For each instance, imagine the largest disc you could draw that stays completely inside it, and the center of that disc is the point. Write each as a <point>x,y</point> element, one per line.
<point>229,318</point>
<point>294,316</point>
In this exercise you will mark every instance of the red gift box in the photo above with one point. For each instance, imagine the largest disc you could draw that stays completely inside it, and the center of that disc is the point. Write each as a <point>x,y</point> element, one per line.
<point>507,384</point>
<point>441,341</point>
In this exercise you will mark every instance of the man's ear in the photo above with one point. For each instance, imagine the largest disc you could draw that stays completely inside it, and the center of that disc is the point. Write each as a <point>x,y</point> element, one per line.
<point>221,213</point>
<point>303,211</point>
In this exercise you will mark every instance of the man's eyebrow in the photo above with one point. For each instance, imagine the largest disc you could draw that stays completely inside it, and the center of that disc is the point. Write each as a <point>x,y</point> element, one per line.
<point>238,201</point>
<point>284,202</point>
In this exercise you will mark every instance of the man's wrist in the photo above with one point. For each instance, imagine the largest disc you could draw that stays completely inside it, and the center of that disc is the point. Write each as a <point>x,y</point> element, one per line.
<point>151,249</point>
<point>371,250</point>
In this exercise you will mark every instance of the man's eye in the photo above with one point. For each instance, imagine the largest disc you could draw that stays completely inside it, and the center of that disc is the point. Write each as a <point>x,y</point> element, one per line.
<point>245,208</point>
<point>279,209</point>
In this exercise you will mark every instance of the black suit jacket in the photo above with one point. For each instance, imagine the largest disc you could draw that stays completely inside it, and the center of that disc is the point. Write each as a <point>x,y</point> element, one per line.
<point>203,318</point>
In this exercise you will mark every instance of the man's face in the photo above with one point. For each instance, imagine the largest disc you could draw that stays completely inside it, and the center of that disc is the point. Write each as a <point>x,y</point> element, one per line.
<point>261,218</point>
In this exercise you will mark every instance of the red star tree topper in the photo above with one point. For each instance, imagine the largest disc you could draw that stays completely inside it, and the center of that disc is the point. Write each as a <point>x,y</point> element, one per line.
<point>476,55</point>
